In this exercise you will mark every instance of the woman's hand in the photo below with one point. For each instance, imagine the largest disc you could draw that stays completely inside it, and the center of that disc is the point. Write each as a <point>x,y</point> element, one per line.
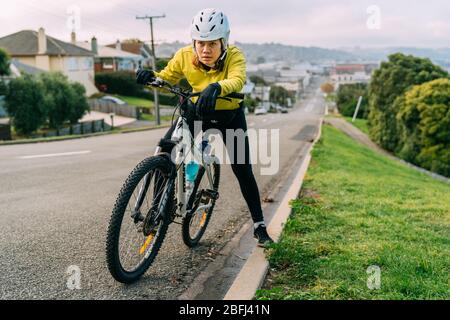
<point>144,76</point>
<point>207,100</point>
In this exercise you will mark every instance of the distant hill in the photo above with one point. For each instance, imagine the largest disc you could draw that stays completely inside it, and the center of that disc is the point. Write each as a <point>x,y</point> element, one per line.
<point>279,52</point>
<point>271,52</point>
<point>439,56</point>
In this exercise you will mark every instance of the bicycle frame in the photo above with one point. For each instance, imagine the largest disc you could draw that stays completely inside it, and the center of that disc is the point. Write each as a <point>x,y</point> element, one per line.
<point>181,135</point>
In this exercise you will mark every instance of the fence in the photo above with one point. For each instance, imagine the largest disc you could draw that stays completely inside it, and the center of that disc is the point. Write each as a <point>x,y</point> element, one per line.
<point>77,129</point>
<point>111,107</point>
<point>5,130</point>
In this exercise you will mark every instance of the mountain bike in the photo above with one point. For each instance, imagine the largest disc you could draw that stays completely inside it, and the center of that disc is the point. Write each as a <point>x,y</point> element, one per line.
<point>160,191</point>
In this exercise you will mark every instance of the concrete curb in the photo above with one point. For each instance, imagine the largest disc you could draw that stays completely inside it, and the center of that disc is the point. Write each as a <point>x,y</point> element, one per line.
<point>254,271</point>
<point>89,135</point>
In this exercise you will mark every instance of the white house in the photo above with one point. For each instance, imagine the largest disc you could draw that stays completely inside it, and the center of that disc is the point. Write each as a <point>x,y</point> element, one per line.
<point>46,53</point>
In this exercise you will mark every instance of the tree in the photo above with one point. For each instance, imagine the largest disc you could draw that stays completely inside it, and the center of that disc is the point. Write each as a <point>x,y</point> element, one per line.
<point>388,84</point>
<point>424,126</point>
<point>26,104</point>
<point>79,104</point>
<point>279,95</point>
<point>257,80</point>
<point>4,63</point>
<point>347,99</point>
<point>66,101</point>
<point>250,103</point>
<point>327,88</point>
<point>57,93</point>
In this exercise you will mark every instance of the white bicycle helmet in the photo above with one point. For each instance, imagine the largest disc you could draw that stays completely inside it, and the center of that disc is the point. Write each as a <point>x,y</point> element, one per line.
<point>210,24</point>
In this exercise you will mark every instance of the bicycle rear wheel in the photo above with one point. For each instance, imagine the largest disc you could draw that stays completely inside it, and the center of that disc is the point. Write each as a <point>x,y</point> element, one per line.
<point>140,218</point>
<point>197,217</point>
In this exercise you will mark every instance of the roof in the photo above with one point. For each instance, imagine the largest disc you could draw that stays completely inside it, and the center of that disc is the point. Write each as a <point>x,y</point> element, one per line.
<point>349,68</point>
<point>24,68</point>
<point>107,52</point>
<point>25,43</point>
<point>139,48</point>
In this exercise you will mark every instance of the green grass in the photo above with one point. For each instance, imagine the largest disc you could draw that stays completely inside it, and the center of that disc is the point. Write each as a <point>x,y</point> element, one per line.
<point>151,117</point>
<point>359,209</point>
<point>361,124</point>
<point>144,103</point>
<point>135,101</point>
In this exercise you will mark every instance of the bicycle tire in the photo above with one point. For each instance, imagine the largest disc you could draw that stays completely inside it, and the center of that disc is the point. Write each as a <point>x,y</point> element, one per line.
<point>113,234</point>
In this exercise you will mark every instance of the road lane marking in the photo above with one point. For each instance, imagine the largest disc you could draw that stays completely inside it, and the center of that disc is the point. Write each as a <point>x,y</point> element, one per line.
<point>56,154</point>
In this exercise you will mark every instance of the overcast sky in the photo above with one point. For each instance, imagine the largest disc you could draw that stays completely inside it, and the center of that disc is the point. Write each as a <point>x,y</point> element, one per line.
<point>323,23</point>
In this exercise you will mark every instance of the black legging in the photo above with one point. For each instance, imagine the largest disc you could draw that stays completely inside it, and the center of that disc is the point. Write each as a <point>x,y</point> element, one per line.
<point>242,168</point>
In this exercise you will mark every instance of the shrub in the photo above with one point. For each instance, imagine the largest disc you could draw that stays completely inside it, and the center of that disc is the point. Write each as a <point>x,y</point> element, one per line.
<point>65,101</point>
<point>424,126</point>
<point>4,63</point>
<point>26,104</point>
<point>389,83</point>
<point>119,82</point>
<point>347,99</point>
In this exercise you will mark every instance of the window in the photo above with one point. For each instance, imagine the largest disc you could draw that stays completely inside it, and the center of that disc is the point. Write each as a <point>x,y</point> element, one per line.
<point>72,64</point>
<point>108,63</point>
<point>87,63</point>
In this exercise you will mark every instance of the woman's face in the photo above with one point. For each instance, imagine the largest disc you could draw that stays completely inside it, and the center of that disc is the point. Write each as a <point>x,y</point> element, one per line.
<point>208,52</point>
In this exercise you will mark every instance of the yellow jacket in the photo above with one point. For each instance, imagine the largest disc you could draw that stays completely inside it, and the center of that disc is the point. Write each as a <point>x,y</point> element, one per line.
<point>231,79</point>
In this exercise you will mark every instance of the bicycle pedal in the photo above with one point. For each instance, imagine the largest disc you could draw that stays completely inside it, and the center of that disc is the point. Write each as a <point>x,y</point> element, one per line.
<point>214,195</point>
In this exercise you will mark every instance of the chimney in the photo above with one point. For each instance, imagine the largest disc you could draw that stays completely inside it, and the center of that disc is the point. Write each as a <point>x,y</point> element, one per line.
<point>118,45</point>
<point>42,41</point>
<point>73,37</point>
<point>94,47</point>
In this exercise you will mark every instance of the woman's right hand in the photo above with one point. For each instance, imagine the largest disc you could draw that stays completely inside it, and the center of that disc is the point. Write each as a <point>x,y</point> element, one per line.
<point>144,76</point>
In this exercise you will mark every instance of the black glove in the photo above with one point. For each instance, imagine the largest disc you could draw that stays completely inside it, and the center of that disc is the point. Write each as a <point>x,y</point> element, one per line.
<point>144,76</point>
<point>207,100</point>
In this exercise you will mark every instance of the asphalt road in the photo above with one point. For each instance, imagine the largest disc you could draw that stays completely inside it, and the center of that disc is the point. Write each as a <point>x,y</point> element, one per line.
<point>56,199</point>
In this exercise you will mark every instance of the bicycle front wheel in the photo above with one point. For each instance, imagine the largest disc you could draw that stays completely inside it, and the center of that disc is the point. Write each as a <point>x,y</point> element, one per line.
<point>139,220</point>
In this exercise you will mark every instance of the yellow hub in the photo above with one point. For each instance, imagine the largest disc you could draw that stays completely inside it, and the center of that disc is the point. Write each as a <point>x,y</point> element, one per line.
<point>202,222</point>
<point>147,242</point>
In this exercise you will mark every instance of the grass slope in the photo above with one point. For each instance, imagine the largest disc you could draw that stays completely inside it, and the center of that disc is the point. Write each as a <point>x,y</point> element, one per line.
<point>360,209</point>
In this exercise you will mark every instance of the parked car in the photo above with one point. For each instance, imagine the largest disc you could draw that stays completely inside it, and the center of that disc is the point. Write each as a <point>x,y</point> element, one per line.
<point>113,100</point>
<point>260,110</point>
<point>282,109</point>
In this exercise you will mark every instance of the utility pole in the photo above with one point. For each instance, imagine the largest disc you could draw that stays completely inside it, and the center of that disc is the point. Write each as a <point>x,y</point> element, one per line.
<point>155,91</point>
<point>357,108</point>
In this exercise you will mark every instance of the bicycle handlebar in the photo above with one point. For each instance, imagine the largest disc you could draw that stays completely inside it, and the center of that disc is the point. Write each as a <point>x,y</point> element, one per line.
<point>233,95</point>
<point>159,83</point>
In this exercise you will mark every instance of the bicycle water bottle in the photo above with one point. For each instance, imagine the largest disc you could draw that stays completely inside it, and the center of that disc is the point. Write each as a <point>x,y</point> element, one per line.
<point>191,171</point>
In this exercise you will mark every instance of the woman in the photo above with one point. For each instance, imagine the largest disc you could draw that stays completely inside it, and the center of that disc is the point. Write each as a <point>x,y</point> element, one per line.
<point>215,69</point>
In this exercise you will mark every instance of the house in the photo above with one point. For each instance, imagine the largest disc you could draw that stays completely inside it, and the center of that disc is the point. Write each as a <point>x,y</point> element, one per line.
<point>37,50</point>
<point>262,93</point>
<point>248,87</point>
<point>135,47</point>
<point>108,59</point>
<point>352,73</point>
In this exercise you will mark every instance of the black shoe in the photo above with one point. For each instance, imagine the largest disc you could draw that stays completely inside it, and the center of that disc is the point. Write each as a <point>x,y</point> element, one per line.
<point>262,236</point>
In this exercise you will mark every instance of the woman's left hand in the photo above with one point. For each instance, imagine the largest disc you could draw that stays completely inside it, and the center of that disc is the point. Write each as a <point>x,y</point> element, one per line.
<point>207,100</point>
